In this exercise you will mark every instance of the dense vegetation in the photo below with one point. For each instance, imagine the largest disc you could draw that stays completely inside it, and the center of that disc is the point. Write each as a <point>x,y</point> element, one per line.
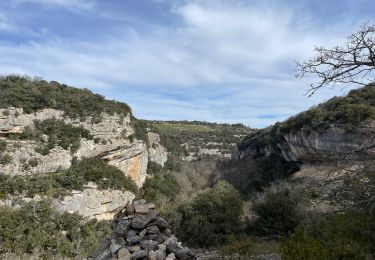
<point>140,131</point>
<point>184,137</point>
<point>346,234</point>
<point>279,210</point>
<point>56,184</point>
<point>161,186</point>
<point>36,229</point>
<point>336,236</point>
<point>52,132</point>
<point>249,175</point>
<point>209,218</point>
<point>4,157</point>
<point>35,94</point>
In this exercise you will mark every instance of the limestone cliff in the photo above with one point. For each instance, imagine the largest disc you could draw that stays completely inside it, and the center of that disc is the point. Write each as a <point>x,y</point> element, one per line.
<point>312,146</point>
<point>110,141</point>
<point>156,151</point>
<point>324,132</point>
<point>113,145</point>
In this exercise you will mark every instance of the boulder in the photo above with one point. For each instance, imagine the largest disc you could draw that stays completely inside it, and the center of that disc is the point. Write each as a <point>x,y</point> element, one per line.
<point>148,244</point>
<point>139,254</point>
<point>124,254</point>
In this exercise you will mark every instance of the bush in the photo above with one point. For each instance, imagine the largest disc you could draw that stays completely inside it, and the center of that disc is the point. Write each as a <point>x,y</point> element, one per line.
<point>153,168</point>
<point>279,210</point>
<point>161,187</point>
<point>36,94</point>
<point>96,170</point>
<point>243,246</point>
<point>337,236</point>
<point>140,131</point>
<point>3,146</point>
<point>35,228</point>
<point>33,162</point>
<point>57,184</point>
<point>59,133</point>
<point>5,159</point>
<point>211,217</point>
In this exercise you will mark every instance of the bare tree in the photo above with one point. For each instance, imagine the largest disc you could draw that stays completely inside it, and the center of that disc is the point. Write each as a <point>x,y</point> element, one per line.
<point>353,63</point>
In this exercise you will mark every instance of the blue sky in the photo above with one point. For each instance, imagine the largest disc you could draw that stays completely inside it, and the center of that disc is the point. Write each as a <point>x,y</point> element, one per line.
<point>212,60</point>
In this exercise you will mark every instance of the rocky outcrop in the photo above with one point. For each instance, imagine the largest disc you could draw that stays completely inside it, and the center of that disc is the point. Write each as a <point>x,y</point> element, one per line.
<point>326,145</point>
<point>311,146</point>
<point>140,233</point>
<point>109,142</point>
<point>22,153</point>
<point>131,159</point>
<point>156,151</point>
<point>108,127</point>
<point>94,203</point>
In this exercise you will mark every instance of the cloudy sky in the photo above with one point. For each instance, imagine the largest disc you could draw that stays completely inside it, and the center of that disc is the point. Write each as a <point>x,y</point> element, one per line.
<point>212,60</point>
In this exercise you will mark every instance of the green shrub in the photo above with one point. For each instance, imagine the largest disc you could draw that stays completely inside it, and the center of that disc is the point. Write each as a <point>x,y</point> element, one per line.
<point>279,210</point>
<point>153,168</point>
<point>131,138</point>
<point>211,217</point>
<point>59,133</point>
<point>57,184</point>
<point>36,228</point>
<point>140,131</point>
<point>3,146</point>
<point>160,187</point>
<point>35,94</point>
<point>96,170</point>
<point>244,246</point>
<point>33,162</point>
<point>5,159</point>
<point>6,113</point>
<point>337,236</point>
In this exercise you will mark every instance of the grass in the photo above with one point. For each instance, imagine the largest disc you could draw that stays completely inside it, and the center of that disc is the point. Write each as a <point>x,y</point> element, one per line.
<point>168,127</point>
<point>175,135</point>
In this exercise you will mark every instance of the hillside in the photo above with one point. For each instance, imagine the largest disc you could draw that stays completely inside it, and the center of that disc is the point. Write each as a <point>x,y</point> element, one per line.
<point>65,150</point>
<point>327,130</point>
<point>313,175</point>
<point>73,165</point>
<point>193,140</point>
<point>342,127</point>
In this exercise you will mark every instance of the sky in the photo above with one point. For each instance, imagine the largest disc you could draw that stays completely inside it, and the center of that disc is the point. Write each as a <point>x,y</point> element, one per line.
<point>229,61</point>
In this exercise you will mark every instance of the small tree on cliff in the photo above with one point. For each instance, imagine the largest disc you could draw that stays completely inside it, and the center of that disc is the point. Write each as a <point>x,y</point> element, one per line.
<point>352,63</point>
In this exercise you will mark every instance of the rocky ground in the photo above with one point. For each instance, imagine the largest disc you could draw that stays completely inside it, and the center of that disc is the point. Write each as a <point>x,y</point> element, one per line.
<point>140,233</point>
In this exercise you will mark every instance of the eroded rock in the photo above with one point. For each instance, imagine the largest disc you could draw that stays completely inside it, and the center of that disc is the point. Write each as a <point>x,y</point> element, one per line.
<point>93,203</point>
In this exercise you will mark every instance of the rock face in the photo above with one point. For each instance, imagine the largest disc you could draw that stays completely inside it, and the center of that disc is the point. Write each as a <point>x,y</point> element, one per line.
<point>157,152</point>
<point>93,203</point>
<point>114,146</point>
<point>140,233</point>
<point>325,145</point>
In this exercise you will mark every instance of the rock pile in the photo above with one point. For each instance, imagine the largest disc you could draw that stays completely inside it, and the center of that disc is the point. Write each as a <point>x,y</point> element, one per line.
<point>140,233</point>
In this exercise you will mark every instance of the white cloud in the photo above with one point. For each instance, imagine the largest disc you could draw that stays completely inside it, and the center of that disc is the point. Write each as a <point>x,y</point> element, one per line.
<point>5,24</point>
<point>246,53</point>
<point>70,4</point>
